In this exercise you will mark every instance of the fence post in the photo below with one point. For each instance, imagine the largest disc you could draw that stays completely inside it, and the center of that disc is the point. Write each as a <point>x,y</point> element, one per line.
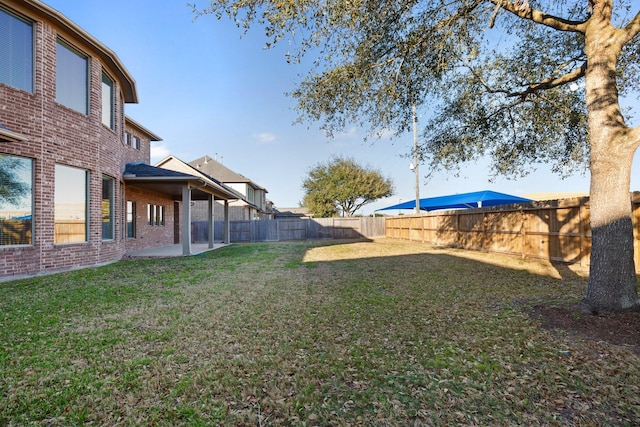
<point>523,232</point>
<point>410,229</point>
<point>484,243</point>
<point>583,237</point>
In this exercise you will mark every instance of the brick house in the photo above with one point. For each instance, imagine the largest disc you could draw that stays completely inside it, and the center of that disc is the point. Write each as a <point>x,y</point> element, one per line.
<point>253,205</point>
<point>76,187</point>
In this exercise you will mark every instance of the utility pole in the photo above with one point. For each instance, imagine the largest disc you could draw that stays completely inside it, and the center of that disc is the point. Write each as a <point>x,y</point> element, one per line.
<point>415,156</point>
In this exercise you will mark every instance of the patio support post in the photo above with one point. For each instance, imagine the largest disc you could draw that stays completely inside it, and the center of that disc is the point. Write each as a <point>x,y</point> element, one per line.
<point>186,220</point>
<point>210,221</point>
<point>227,228</point>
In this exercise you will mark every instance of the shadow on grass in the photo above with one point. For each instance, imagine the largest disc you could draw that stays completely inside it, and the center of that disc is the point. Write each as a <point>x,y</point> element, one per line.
<point>318,333</point>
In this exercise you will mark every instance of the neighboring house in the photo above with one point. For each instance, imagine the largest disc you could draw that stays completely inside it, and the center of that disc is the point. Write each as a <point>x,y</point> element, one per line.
<point>299,212</point>
<point>75,186</point>
<point>253,205</point>
<point>201,211</point>
<point>175,164</point>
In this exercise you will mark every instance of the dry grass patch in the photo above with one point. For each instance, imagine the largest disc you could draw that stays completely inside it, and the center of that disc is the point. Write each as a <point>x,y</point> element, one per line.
<point>306,333</point>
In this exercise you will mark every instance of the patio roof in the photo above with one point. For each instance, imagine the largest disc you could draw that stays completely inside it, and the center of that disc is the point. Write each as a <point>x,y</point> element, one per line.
<point>171,182</point>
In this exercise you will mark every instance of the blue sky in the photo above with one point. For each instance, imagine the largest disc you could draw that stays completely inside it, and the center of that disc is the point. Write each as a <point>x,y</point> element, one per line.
<point>208,91</point>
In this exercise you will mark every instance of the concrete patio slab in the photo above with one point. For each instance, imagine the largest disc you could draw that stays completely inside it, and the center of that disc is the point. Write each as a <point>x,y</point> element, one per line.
<point>172,251</point>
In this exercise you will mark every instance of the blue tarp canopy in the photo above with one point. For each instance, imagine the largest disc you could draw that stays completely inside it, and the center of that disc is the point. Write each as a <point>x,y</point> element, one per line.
<point>476,199</point>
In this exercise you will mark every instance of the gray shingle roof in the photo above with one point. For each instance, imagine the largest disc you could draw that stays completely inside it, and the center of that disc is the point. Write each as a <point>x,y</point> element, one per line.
<point>143,170</point>
<point>217,170</point>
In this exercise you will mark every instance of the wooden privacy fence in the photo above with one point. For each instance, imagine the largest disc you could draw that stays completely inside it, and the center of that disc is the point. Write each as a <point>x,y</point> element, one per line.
<point>15,232</point>
<point>67,231</point>
<point>293,229</point>
<point>555,230</point>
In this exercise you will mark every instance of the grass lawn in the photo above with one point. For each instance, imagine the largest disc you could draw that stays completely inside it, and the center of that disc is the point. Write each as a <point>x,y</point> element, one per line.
<point>306,333</point>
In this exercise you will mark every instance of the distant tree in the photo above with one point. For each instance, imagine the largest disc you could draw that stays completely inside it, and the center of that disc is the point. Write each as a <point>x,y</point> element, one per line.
<point>513,101</point>
<point>12,188</point>
<point>341,186</point>
<point>319,207</point>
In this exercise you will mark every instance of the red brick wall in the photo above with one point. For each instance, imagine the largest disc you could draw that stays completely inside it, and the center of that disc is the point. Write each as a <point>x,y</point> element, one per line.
<point>130,154</point>
<point>59,135</point>
<point>148,236</point>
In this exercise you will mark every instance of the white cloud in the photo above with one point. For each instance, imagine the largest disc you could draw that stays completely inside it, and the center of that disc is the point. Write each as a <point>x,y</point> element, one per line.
<point>265,137</point>
<point>350,133</point>
<point>158,152</point>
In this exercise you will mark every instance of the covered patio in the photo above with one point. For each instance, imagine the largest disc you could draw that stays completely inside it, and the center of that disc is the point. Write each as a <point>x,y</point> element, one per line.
<point>185,188</point>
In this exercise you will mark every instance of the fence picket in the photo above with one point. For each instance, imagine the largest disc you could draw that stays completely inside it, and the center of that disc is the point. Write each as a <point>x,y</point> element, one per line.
<point>556,230</point>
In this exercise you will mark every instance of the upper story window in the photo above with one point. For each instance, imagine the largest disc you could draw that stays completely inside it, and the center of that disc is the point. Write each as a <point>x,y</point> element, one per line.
<point>136,142</point>
<point>72,84</point>
<point>259,198</point>
<point>127,138</point>
<point>16,51</point>
<point>250,194</point>
<point>107,102</point>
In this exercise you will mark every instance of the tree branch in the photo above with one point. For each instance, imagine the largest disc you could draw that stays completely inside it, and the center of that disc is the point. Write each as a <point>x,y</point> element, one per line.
<point>630,30</point>
<point>549,83</point>
<point>633,136</point>
<point>552,82</point>
<point>405,48</point>
<point>540,17</point>
<point>495,14</point>
<point>484,83</point>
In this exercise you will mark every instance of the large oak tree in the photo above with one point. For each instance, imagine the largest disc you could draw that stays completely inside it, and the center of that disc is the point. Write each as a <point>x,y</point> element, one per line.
<point>501,77</point>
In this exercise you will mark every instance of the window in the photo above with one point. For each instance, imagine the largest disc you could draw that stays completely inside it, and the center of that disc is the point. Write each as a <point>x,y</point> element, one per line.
<point>107,102</point>
<point>155,215</point>
<point>70,212</point>
<point>127,138</point>
<point>107,208</point>
<point>136,142</point>
<point>160,215</point>
<point>131,219</point>
<point>16,51</point>
<point>71,78</point>
<point>16,200</point>
<point>250,194</point>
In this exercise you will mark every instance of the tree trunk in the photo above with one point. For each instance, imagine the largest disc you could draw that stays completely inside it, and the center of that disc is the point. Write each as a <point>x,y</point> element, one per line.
<point>612,285</point>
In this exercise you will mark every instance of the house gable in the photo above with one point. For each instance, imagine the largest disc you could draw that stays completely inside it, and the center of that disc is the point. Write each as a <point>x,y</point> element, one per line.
<point>254,195</point>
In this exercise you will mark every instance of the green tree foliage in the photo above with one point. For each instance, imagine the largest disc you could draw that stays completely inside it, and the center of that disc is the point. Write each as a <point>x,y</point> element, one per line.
<point>12,188</point>
<point>342,186</point>
<point>498,77</point>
